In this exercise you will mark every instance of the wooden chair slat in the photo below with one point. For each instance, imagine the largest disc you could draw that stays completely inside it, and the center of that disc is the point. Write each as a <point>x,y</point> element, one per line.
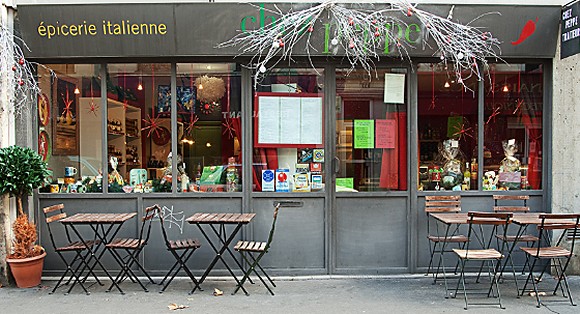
<point>55,218</point>
<point>52,208</point>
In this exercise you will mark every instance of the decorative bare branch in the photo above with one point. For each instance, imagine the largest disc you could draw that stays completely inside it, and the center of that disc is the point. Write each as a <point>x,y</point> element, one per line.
<point>16,74</point>
<point>361,30</point>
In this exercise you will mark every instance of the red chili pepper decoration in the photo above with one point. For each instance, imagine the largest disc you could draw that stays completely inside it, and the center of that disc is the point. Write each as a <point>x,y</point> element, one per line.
<point>527,31</point>
<point>21,61</point>
<point>13,68</point>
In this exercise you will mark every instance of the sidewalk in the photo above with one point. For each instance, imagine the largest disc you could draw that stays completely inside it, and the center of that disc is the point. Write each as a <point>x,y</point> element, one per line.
<point>397,294</point>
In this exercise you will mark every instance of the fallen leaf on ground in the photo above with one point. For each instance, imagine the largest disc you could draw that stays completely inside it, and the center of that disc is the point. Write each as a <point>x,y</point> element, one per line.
<point>217,292</point>
<point>174,306</point>
<point>533,294</point>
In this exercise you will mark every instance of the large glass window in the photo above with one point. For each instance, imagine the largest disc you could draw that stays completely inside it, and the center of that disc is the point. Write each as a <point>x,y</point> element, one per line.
<point>210,130</point>
<point>513,127</point>
<point>371,130</point>
<point>139,127</point>
<point>289,132</point>
<point>69,127</point>
<point>447,120</point>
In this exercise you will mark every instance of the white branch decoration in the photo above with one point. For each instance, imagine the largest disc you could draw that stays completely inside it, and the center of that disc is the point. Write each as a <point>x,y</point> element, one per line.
<point>361,32</point>
<point>17,74</point>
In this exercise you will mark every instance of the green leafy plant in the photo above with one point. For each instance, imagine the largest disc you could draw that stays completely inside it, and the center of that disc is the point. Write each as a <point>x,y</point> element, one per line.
<point>21,171</point>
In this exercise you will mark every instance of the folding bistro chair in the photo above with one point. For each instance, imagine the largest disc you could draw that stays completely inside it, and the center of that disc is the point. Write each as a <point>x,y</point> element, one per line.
<point>181,251</point>
<point>555,256</point>
<point>483,253</point>
<point>132,247</point>
<point>437,238</point>
<point>78,247</point>
<point>253,248</point>
<point>513,204</point>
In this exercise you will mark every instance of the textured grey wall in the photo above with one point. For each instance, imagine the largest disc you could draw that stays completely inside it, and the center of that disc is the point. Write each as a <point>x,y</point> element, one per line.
<point>566,139</point>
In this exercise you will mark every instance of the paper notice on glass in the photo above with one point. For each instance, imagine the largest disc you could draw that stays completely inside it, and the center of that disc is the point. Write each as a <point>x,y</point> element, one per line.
<point>269,120</point>
<point>311,120</point>
<point>385,133</point>
<point>364,134</point>
<point>394,88</point>
<point>289,120</point>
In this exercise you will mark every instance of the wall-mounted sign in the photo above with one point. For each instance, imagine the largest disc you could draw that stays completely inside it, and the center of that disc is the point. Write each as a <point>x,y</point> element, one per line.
<point>570,30</point>
<point>128,29</point>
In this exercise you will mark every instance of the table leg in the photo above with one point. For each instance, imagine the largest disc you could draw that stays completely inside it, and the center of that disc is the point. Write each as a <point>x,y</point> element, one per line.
<point>103,243</point>
<point>219,253</point>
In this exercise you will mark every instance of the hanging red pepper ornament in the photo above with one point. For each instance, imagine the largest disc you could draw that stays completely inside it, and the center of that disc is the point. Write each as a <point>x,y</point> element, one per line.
<point>409,12</point>
<point>21,61</point>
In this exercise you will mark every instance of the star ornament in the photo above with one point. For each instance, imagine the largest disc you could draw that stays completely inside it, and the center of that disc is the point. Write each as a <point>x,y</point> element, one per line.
<point>93,108</point>
<point>152,125</point>
<point>191,124</point>
<point>228,125</point>
<point>67,103</point>
<point>463,132</point>
<point>495,113</point>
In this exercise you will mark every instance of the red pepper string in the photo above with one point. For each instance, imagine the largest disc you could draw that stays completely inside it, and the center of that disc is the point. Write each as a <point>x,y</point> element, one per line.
<point>432,87</point>
<point>152,89</point>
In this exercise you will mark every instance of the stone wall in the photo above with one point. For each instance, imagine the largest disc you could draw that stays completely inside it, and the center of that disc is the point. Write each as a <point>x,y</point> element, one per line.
<point>565,187</point>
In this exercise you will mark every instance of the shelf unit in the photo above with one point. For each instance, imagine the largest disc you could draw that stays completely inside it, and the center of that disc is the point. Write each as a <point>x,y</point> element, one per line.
<point>123,135</point>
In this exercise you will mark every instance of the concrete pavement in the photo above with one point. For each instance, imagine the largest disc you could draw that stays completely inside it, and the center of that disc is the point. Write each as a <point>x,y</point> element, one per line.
<point>325,294</point>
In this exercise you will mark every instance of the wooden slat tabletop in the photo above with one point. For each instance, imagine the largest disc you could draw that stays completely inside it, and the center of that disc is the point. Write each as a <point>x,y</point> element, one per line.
<point>462,218</point>
<point>221,218</point>
<point>91,218</point>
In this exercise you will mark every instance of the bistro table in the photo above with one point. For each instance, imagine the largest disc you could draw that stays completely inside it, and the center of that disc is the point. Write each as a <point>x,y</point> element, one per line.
<point>105,227</point>
<point>217,223</point>
<point>462,218</point>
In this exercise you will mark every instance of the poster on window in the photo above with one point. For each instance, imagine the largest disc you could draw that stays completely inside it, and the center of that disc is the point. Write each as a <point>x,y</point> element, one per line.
<point>288,121</point>
<point>364,134</point>
<point>394,88</point>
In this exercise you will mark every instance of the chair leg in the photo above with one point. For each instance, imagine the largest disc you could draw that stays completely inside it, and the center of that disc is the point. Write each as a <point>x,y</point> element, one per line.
<point>431,254</point>
<point>251,268</point>
<point>181,262</point>
<point>263,272</point>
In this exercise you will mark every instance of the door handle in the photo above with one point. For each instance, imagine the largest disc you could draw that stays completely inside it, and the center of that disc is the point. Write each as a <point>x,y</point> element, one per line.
<point>336,164</point>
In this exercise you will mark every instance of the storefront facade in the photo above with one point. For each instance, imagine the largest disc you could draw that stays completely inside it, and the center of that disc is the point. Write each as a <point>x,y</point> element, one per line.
<point>357,151</point>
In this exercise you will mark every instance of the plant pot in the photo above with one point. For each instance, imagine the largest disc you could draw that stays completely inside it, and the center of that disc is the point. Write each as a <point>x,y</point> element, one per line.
<point>27,271</point>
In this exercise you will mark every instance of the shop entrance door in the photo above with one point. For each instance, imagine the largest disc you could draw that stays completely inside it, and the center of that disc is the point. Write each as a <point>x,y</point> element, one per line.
<point>370,171</point>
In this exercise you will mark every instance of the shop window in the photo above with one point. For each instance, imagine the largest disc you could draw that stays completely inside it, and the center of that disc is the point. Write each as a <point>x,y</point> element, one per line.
<point>209,118</point>
<point>513,127</point>
<point>371,130</point>
<point>139,127</point>
<point>289,132</point>
<point>447,129</point>
<point>69,117</point>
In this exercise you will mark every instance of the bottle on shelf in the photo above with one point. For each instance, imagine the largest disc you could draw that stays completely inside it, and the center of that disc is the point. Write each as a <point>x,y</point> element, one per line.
<point>198,176</point>
<point>474,168</point>
<point>231,175</point>
<point>466,178</point>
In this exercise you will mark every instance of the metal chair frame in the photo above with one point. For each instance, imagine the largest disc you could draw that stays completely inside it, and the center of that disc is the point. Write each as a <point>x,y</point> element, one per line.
<point>133,248</point>
<point>250,249</point>
<point>187,247</point>
<point>520,237</point>
<point>558,257</point>
<point>77,247</point>
<point>437,243</point>
<point>484,253</point>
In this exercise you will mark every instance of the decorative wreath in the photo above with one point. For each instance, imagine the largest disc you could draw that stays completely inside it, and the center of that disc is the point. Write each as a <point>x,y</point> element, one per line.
<point>210,89</point>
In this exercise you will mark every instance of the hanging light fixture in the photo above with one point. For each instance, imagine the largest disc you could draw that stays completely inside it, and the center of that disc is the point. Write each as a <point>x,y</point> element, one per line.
<point>140,86</point>
<point>447,85</point>
<point>505,88</point>
<point>77,91</point>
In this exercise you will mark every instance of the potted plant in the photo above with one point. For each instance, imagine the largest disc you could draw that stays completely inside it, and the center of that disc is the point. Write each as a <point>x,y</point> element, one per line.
<point>21,171</point>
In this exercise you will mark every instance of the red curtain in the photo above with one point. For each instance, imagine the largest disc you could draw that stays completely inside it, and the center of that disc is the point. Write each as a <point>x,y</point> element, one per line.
<point>394,160</point>
<point>534,162</point>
